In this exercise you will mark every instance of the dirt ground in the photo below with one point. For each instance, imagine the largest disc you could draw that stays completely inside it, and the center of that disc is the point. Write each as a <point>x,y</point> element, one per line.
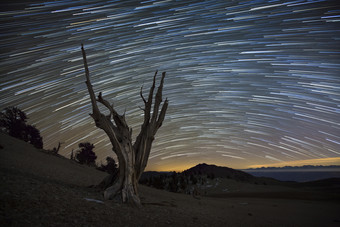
<point>39,189</point>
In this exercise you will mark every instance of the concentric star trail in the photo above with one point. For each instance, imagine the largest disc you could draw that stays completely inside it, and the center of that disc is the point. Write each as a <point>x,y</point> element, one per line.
<point>249,82</point>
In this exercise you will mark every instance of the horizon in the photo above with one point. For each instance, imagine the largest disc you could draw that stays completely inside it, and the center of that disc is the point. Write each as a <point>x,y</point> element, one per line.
<point>315,162</point>
<point>294,168</point>
<point>304,164</point>
<point>249,84</point>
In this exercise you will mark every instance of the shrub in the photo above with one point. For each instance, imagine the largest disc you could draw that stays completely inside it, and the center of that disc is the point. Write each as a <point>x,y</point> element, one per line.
<point>110,167</point>
<point>13,122</point>
<point>86,154</point>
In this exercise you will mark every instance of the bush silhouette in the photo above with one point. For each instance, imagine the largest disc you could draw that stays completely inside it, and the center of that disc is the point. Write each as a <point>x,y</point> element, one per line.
<point>110,167</point>
<point>33,136</point>
<point>13,122</point>
<point>86,154</point>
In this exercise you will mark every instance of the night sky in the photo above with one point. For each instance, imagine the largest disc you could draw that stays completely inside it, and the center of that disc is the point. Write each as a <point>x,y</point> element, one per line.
<point>249,83</point>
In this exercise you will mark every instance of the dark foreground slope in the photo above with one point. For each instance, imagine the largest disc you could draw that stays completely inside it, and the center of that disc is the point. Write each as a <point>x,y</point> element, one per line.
<point>38,189</point>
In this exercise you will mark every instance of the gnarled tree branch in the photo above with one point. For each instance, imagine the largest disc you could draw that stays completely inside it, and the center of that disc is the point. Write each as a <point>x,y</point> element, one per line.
<point>95,109</point>
<point>149,128</point>
<point>132,159</point>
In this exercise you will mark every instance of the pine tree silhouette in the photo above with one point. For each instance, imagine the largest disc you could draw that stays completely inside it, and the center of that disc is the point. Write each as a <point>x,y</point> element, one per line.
<point>86,154</point>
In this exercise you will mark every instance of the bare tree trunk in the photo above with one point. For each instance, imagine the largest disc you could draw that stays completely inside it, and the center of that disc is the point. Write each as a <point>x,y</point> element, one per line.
<point>132,158</point>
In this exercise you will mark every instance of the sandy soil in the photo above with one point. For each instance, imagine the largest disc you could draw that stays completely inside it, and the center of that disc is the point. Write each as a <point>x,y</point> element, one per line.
<point>39,189</point>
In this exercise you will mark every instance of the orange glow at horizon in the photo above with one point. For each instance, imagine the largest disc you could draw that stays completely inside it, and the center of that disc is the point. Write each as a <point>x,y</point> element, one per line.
<point>179,167</point>
<point>169,168</point>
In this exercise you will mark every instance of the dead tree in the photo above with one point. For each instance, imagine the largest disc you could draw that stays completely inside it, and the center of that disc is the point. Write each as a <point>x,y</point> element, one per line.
<point>132,157</point>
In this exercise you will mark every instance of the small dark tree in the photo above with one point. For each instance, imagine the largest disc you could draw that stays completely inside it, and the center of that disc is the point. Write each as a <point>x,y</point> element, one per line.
<point>32,135</point>
<point>55,150</point>
<point>110,167</point>
<point>86,154</point>
<point>13,122</point>
<point>173,184</point>
<point>72,155</point>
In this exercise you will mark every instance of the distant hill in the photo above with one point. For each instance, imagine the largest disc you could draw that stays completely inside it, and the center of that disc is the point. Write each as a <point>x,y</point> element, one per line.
<point>211,171</point>
<point>219,171</point>
<point>205,171</point>
<point>263,176</point>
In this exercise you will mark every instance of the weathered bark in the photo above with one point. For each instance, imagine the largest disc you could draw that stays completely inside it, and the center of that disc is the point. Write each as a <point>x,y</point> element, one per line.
<point>132,158</point>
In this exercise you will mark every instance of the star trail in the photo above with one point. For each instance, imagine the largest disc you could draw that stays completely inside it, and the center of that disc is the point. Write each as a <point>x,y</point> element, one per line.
<point>249,83</point>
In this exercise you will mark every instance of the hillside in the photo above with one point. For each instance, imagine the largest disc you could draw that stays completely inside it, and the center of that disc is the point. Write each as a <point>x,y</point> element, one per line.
<point>213,171</point>
<point>219,171</point>
<point>39,189</point>
<point>219,181</point>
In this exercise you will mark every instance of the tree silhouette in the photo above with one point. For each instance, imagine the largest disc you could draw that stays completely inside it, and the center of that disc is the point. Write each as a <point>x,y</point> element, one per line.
<point>55,150</point>
<point>13,122</point>
<point>32,136</point>
<point>86,154</point>
<point>173,184</point>
<point>132,157</point>
<point>110,167</point>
